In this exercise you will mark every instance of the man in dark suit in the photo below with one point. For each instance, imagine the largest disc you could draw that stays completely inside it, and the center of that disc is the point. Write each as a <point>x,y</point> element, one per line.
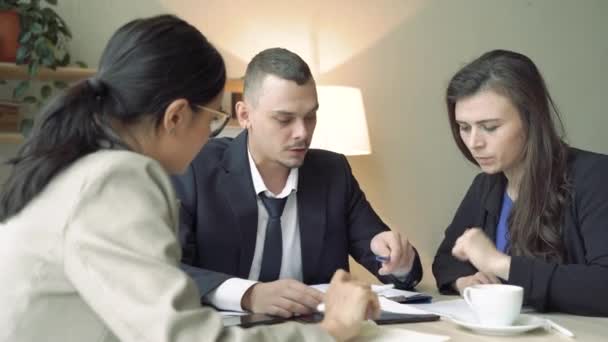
<point>262,215</point>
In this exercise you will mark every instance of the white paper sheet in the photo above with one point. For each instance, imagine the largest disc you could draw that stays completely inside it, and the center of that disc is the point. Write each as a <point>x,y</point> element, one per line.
<point>379,289</point>
<point>385,304</point>
<point>233,313</point>
<point>456,308</point>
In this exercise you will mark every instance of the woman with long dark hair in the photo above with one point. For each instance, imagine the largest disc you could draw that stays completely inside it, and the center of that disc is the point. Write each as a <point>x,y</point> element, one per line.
<point>88,247</point>
<point>537,215</point>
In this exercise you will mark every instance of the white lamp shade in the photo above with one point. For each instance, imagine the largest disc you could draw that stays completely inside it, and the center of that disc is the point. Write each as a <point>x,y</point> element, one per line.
<point>341,124</point>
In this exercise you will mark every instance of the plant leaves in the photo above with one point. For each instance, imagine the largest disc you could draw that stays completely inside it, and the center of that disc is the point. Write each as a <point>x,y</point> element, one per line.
<point>36,28</point>
<point>32,69</point>
<point>25,37</point>
<point>22,54</point>
<point>30,99</point>
<point>81,64</point>
<point>43,51</point>
<point>20,89</point>
<point>60,84</point>
<point>46,91</point>
<point>48,61</point>
<point>52,2</point>
<point>65,60</point>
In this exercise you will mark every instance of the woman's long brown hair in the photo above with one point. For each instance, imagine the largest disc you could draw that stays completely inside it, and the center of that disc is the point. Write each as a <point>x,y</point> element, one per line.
<point>535,221</point>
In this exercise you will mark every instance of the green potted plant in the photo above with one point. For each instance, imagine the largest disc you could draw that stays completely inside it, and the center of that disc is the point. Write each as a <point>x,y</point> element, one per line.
<point>42,43</point>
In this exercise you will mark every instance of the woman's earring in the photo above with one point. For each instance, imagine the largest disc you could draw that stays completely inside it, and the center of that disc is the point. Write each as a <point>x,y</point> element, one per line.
<point>172,130</point>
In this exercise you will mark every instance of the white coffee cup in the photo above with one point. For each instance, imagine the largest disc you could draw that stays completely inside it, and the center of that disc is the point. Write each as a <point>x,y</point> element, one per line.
<point>495,304</point>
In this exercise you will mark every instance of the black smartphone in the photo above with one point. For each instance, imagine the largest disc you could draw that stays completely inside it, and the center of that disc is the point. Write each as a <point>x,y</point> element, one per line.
<point>385,318</point>
<point>415,299</point>
<point>251,320</point>
<point>395,318</point>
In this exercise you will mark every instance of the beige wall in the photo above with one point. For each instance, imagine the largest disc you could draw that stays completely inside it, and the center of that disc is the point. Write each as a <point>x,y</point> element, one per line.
<point>401,53</point>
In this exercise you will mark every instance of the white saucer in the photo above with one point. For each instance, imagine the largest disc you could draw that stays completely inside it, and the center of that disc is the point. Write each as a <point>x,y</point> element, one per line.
<point>522,324</point>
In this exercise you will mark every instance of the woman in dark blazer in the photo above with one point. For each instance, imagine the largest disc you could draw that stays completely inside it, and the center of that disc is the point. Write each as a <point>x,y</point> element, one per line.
<point>537,215</point>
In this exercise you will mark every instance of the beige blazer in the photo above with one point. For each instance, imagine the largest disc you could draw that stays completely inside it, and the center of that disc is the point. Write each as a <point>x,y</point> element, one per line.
<point>95,257</point>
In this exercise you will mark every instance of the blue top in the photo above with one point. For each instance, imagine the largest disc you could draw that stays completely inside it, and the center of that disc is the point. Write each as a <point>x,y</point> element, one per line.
<point>502,230</point>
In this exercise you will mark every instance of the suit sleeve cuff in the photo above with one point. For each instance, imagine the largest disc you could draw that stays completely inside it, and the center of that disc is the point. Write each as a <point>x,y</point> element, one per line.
<point>408,280</point>
<point>228,296</point>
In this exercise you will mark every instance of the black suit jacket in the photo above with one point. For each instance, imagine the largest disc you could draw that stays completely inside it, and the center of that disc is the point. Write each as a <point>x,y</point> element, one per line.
<point>219,217</point>
<point>577,285</point>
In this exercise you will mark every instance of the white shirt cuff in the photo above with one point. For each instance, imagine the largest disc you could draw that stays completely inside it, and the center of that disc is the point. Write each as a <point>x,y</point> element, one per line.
<point>401,276</point>
<point>228,296</point>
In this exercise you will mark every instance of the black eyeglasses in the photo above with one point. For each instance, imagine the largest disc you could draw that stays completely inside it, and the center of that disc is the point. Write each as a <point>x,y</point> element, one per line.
<point>218,122</point>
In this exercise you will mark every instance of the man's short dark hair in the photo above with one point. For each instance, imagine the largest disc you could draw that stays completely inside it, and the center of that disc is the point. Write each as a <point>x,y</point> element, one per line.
<point>278,62</point>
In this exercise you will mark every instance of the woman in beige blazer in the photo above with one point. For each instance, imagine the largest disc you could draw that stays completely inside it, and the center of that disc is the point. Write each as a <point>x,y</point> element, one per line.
<point>88,248</point>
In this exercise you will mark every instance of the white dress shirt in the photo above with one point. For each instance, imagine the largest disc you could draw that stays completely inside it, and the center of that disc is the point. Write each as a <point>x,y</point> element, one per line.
<point>229,294</point>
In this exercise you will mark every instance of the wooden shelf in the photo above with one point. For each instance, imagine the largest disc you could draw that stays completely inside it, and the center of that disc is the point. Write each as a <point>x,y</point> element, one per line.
<point>11,71</point>
<point>11,138</point>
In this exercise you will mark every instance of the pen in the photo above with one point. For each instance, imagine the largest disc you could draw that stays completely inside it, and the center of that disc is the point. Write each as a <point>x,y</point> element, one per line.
<point>383,258</point>
<point>560,328</point>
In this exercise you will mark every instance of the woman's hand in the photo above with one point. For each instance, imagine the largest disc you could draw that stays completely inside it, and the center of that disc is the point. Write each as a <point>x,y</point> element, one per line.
<point>475,247</point>
<point>478,278</point>
<point>347,304</point>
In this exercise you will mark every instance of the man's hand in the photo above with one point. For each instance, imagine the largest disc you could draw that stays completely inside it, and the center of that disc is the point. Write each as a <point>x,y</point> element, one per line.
<point>283,298</point>
<point>399,250</point>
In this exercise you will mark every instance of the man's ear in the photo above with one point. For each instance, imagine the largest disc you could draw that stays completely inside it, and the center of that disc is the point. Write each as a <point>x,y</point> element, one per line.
<point>243,114</point>
<point>177,116</point>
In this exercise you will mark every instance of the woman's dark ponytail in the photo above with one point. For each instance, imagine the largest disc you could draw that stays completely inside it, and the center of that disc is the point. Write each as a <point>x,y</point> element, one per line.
<point>64,132</point>
<point>147,64</point>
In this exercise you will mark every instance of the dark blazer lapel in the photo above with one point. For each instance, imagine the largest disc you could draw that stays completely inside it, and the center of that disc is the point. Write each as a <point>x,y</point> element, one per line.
<point>312,215</point>
<point>242,199</point>
<point>493,204</point>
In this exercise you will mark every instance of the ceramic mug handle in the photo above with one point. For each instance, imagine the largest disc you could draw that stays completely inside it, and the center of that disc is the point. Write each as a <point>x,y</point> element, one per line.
<point>466,294</point>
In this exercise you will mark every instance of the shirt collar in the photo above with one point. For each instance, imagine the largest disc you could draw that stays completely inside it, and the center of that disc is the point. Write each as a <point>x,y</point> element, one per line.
<point>258,183</point>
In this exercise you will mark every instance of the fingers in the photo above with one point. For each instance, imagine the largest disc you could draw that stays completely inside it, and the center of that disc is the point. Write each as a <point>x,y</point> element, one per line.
<point>459,250</point>
<point>298,297</point>
<point>373,308</point>
<point>340,276</point>
<point>392,244</point>
<point>481,278</point>
<point>362,293</point>
<point>285,304</point>
<point>276,310</point>
<point>409,254</point>
<point>379,245</point>
<point>484,278</point>
<point>493,279</point>
<point>476,279</point>
<point>304,295</point>
<point>286,297</point>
